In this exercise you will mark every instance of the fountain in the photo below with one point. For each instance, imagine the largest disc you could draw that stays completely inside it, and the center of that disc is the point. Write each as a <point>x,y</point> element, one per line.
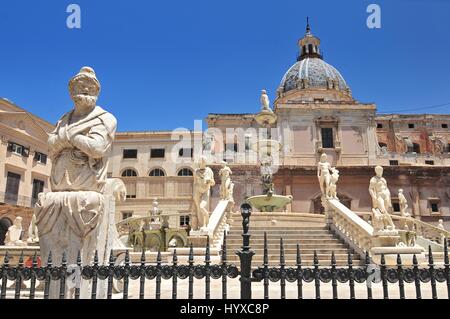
<point>268,201</point>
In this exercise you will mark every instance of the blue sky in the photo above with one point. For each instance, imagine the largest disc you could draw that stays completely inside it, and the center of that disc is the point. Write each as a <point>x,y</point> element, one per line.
<point>163,64</point>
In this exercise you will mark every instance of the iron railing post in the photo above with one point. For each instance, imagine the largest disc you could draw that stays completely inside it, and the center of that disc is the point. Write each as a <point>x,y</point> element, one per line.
<point>246,254</point>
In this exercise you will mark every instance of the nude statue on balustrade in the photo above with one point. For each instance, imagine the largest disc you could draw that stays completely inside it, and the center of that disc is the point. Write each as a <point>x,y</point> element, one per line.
<point>203,181</point>
<point>381,203</point>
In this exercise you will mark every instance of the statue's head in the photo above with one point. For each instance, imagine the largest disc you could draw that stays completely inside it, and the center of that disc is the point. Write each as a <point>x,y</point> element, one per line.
<point>18,221</point>
<point>400,191</point>
<point>379,171</point>
<point>84,88</point>
<point>202,162</point>
<point>263,92</point>
<point>323,157</point>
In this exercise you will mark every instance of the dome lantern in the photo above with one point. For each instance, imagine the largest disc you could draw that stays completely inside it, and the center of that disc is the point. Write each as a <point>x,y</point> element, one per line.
<point>309,45</point>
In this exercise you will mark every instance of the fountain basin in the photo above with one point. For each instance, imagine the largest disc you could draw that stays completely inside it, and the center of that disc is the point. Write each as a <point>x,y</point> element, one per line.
<point>267,203</point>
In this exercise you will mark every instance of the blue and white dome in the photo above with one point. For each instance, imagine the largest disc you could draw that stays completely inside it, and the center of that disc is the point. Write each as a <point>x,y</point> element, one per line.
<point>312,73</point>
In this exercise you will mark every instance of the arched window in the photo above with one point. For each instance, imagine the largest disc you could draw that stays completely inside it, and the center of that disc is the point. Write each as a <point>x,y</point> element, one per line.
<point>382,145</point>
<point>157,172</point>
<point>185,172</point>
<point>416,148</point>
<point>129,173</point>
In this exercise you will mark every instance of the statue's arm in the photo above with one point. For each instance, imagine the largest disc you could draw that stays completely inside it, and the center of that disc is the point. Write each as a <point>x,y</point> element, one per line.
<point>318,170</point>
<point>95,144</point>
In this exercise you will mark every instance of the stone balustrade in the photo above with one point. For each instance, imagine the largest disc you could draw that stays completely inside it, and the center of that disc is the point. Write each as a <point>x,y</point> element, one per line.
<point>349,224</point>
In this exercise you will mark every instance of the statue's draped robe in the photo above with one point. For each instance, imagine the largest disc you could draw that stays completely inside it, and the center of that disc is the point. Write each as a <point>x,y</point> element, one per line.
<point>68,217</point>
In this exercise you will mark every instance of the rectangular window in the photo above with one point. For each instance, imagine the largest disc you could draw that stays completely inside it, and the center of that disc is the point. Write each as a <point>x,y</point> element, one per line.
<point>157,153</point>
<point>327,137</point>
<point>18,149</point>
<point>129,154</point>
<point>184,220</point>
<point>319,100</point>
<point>410,125</point>
<point>185,152</point>
<point>444,125</point>
<point>393,163</point>
<point>12,188</point>
<point>126,215</point>
<point>379,125</point>
<point>248,143</point>
<point>434,207</point>
<point>38,187</point>
<point>429,162</point>
<point>396,206</point>
<point>40,158</point>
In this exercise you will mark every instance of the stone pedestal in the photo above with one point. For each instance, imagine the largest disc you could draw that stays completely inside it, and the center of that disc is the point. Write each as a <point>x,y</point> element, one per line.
<point>197,238</point>
<point>386,239</point>
<point>390,255</point>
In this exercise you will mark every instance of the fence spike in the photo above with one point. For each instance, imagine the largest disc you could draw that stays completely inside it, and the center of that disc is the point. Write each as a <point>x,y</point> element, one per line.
<point>191,254</point>
<point>35,260</point>
<point>446,259</point>
<point>282,259</point>
<point>6,259</point>
<point>96,257</point>
<point>50,259</point>
<point>416,277</point>
<point>158,257</point>
<point>175,257</point>
<point>143,257</point>
<point>299,257</point>
<point>224,247</point>
<point>333,259</point>
<point>316,259</point>
<point>111,257</point>
<point>21,259</point>
<point>127,257</point>
<point>64,258</point>
<point>430,256</point>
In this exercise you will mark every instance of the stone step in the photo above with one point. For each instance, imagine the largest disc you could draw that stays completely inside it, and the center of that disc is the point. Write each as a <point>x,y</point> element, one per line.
<point>337,245</point>
<point>284,236</point>
<point>293,251</point>
<point>293,230</point>
<point>305,257</point>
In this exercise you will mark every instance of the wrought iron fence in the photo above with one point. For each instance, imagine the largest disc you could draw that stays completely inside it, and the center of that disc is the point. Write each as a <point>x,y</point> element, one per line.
<point>158,272</point>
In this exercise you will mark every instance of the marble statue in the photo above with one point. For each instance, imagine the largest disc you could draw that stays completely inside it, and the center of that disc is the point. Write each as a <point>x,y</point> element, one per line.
<point>203,181</point>
<point>265,102</point>
<point>33,236</point>
<point>333,181</point>
<point>267,176</point>
<point>403,204</point>
<point>324,176</point>
<point>155,208</point>
<point>381,202</point>
<point>14,233</point>
<point>68,217</point>
<point>226,186</point>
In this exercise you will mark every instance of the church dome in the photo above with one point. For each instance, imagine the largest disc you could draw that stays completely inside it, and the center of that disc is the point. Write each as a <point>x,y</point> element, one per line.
<point>311,71</point>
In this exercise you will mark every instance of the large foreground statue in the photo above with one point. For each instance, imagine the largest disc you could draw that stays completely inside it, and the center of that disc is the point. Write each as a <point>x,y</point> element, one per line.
<point>69,216</point>
<point>203,181</point>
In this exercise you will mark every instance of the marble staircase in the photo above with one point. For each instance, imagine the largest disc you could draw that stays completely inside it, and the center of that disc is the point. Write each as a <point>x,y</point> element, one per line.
<point>308,230</point>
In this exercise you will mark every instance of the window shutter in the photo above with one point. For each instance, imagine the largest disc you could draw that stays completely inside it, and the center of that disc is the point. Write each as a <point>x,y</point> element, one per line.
<point>25,152</point>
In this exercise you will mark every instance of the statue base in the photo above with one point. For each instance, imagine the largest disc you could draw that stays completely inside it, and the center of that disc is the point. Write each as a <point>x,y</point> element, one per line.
<point>391,254</point>
<point>386,238</point>
<point>197,238</point>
